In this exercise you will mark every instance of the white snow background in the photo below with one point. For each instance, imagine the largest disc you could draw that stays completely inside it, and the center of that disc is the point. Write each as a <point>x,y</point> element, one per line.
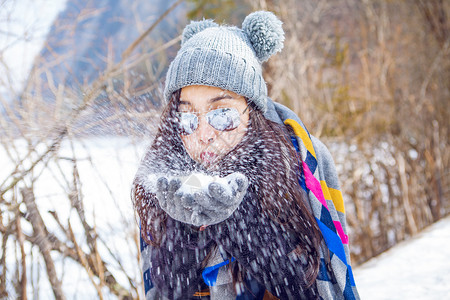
<point>418,268</point>
<point>23,29</point>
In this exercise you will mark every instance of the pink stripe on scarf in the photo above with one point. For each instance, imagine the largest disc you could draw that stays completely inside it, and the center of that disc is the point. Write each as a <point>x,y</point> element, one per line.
<point>340,230</point>
<point>313,185</point>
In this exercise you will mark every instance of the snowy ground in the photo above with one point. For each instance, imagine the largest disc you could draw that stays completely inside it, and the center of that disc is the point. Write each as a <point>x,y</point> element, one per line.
<point>415,269</point>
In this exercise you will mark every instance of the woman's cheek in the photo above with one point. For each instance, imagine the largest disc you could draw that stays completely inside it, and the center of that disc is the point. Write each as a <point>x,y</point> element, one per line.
<point>235,136</point>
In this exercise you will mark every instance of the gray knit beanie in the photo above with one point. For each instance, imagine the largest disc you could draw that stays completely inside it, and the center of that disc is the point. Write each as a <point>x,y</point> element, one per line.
<point>227,57</point>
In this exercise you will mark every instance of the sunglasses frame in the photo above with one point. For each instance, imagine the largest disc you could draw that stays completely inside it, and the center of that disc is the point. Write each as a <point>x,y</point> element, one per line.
<point>183,132</point>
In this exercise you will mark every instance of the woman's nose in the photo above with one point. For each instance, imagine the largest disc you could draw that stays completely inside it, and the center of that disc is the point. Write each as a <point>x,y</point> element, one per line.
<point>206,133</point>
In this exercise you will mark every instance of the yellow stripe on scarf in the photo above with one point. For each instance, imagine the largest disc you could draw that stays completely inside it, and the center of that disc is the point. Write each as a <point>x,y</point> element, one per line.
<point>301,132</point>
<point>333,195</point>
<point>202,294</point>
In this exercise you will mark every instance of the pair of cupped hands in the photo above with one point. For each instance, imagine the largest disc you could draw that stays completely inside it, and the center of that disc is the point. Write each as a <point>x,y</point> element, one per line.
<point>199,199</point>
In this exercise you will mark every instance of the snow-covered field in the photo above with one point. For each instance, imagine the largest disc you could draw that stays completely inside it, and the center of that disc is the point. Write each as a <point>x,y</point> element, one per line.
<point>415,269</point>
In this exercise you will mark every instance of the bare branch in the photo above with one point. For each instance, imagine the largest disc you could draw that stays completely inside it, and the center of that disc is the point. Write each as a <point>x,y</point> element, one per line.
<point>42,241</point>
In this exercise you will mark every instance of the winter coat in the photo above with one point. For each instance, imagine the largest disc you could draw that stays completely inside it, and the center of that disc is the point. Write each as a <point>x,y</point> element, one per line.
<point>258,243</point>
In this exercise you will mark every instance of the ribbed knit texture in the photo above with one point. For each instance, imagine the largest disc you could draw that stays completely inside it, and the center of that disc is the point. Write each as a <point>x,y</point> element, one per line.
<point>220,57</point>
<point>227,57</point>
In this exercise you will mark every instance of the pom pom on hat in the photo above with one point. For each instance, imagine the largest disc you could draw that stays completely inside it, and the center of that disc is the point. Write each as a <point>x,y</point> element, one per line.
<point>265,32</point>
<point>195,27</point>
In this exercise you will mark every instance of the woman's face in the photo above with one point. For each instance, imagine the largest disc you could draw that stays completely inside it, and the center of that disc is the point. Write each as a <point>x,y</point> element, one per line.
<point>206,144</point>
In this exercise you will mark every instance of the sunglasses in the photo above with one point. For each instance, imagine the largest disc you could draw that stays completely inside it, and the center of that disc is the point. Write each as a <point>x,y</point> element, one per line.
<point>222,119</point>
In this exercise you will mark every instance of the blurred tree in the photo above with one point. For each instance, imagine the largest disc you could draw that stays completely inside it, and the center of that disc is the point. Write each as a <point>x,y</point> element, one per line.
<point>222,11</point>
<point>435,13</point>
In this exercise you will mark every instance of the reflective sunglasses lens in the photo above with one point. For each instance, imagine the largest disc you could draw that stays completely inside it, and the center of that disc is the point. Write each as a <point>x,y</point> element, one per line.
<point>224,119</point>
<point>188,123</point>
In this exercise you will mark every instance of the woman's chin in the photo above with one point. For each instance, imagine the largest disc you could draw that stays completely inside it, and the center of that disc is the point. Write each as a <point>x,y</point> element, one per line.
<point>207,164</point>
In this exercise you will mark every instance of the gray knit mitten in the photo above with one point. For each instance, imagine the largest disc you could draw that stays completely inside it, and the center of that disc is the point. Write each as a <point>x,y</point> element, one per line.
<point>210,202</point>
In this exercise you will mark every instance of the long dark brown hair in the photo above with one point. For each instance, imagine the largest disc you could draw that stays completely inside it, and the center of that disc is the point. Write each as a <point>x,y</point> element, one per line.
<point>272,166</point>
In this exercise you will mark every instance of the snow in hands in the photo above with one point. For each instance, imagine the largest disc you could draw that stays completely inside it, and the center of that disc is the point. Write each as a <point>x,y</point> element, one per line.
<point>198,199</point>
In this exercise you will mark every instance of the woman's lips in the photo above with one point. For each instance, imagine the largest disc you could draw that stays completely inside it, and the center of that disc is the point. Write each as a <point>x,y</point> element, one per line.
<point>208,157</point>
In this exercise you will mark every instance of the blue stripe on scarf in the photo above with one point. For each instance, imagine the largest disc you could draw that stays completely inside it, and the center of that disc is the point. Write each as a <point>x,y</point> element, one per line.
<point>325,218</point>
<point>294,141</point>
<point>333,241</point>
<point>348,291</point>
<point>335,245</point>
<point>209,274</point>
<point>143,243</point>
<point>311,162</point>
<point>323,272</point>
<point>148,283</point>
<point>253,289</point>
<point>350,275</point>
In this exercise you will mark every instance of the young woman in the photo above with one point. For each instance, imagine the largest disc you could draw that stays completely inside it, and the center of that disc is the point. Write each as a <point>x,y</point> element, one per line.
<point>235,199</point>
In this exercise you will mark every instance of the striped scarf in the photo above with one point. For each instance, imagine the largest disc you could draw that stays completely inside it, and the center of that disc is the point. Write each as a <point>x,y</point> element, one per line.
<point>319,180</point>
